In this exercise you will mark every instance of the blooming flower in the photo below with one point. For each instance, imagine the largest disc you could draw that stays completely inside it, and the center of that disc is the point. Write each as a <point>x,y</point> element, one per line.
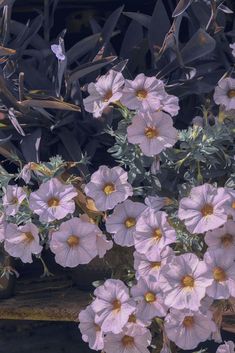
<point>222,270</point>
<point>225,93</point>
<point>223,237</point>
<point>230,206</point>
<point>53,200</point>
<point>58,51</point>
<point>91,332</point>
<point>22,241</point>
<point>106,90</point>
<point>232,46</point>
<point>204,209</point>
<point>74,243</point>
<point>154,132</point>
<point>149,300</point>
<point>170,104</point>
<point>183,281</point>
<point>187,329</point>
<point>123,220</point>
<point>133,339</point>
<point>12,199</point>
<point>157,202</point>
<point>227,347</point>
<point>147,266</point>
<point>143,93</point>
<point>108,187</point>
<point>3,225</point>
<point>112,305</point>
<point>153,233</point>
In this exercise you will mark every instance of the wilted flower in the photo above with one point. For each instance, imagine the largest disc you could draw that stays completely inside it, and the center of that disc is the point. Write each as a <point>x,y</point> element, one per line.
<point>133,339</point>
<point>153,132</point>
<point>157,202</point>
<point>58,51</point>
<point>232,46</point>
<point>123,220</point>
<point>22,241</point>
<point>183,281</point>
<point>106,90</point>
<point>204,208</point>
<point>3,225</point>
<point>12,199</point>
<point>222,271</point>
<point>170,104</point>
<point>149,299</point>
<point>227,347</point>
<point>112,306</point>
<point>53,200</point>
<point>225,93</point>
<point>230,206</point>
<point>74,243</point>
<point>223,237</point>
<point>153,233</point>
<point>25,173</point>
<point>91,332</point>
<point>187,328</point>
<point>143,93</point>
<point>108,187</point>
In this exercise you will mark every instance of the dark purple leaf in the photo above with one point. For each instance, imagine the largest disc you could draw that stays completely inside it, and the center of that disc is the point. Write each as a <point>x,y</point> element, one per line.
<point>181,7</point>
<point>133,36</point>
<point>53,104</point>
<point>30,146</point>
<point>110,25</point>
<point>4,140</point>
<point>14,121</point>
<point>225,9</point>
<point>141,18</point>
<point>82,47</point>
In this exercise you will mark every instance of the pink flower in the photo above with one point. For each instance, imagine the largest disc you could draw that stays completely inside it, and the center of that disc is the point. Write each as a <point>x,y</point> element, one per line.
<point>91,332</point>
<point>143,93</point>
<point>223,237</point>
<point>123,220</point>
<point>153,132</point>
<point>230,206</point>
<point>170,104</point>
<point>3,225</point>
<point>53,200</point>
<point>149,299</point>
<point>133,339</point>
<point>187,329</point>
<point>149,267</point>
<point>74,243</point>
<point>106,90</point>
<point>232,46</point>
<point>58,51</point>
<point>157,202</point>
<point>22,241</point>
<point>225,93</point>
<point>204,209</point>
<point>25,173</point>
<point>12,199</point>
<point>184,280</point>
<point>108,187</point>
<point>153,233</point>
<point>222,272</point>
<point>112,306</point>
<point>227,347</point>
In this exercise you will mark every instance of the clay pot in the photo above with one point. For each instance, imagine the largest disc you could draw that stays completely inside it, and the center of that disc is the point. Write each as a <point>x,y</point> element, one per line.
<point>7,285</point>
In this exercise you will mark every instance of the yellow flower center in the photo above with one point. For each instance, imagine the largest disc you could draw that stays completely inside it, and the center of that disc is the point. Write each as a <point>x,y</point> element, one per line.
<point>219,274</point>
<point>132,318</point>
<point>187,281</point>
<point>107,96</point>
<point>207,210</point>
<point>73,240</point>
<point>14,200</point>
<point>130,222</point>
<point>97,328</point>
<point>150,297</point>
<point>157,234</point>
<point>188,321</point>
<point>227,240</point>
<point>29,237</point>
<point>127,341</point>
<point>117,305</point>
<point>233,204</point>
<point>108,189</point>
<point>156,264</point>
<point>151,132</point>
<point>53,202</point>
<point>231,93</point>
<point>141,94</point>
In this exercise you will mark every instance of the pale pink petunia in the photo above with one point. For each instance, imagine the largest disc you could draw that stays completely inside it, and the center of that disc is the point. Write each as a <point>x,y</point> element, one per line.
<point>74,243</point>
<point>204,208</point>
<point>230,206</point>
<point>225,93</point>
<point>13,197</point>
<point>149,299</point>
<point>221,266</point>
<point>90,330</point>
<point>170,104</point>
<point>106,90</point>
<point>108,187</point>
<point>53,200</point>
<point>184,280</point>
<point>227,347</point>
<point>133,339</point>
<point>157,202</point>
<point>153,233</point>
<point>113,305</point>
<point>232,46</point>
<point>187,328</point>
<point>123,220</point>
<point>22,242</point>
<point>153,132</point>
<point>3,225</point>
<point>222,238</point>
<point>149,267</point>
<point>143,93</point>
